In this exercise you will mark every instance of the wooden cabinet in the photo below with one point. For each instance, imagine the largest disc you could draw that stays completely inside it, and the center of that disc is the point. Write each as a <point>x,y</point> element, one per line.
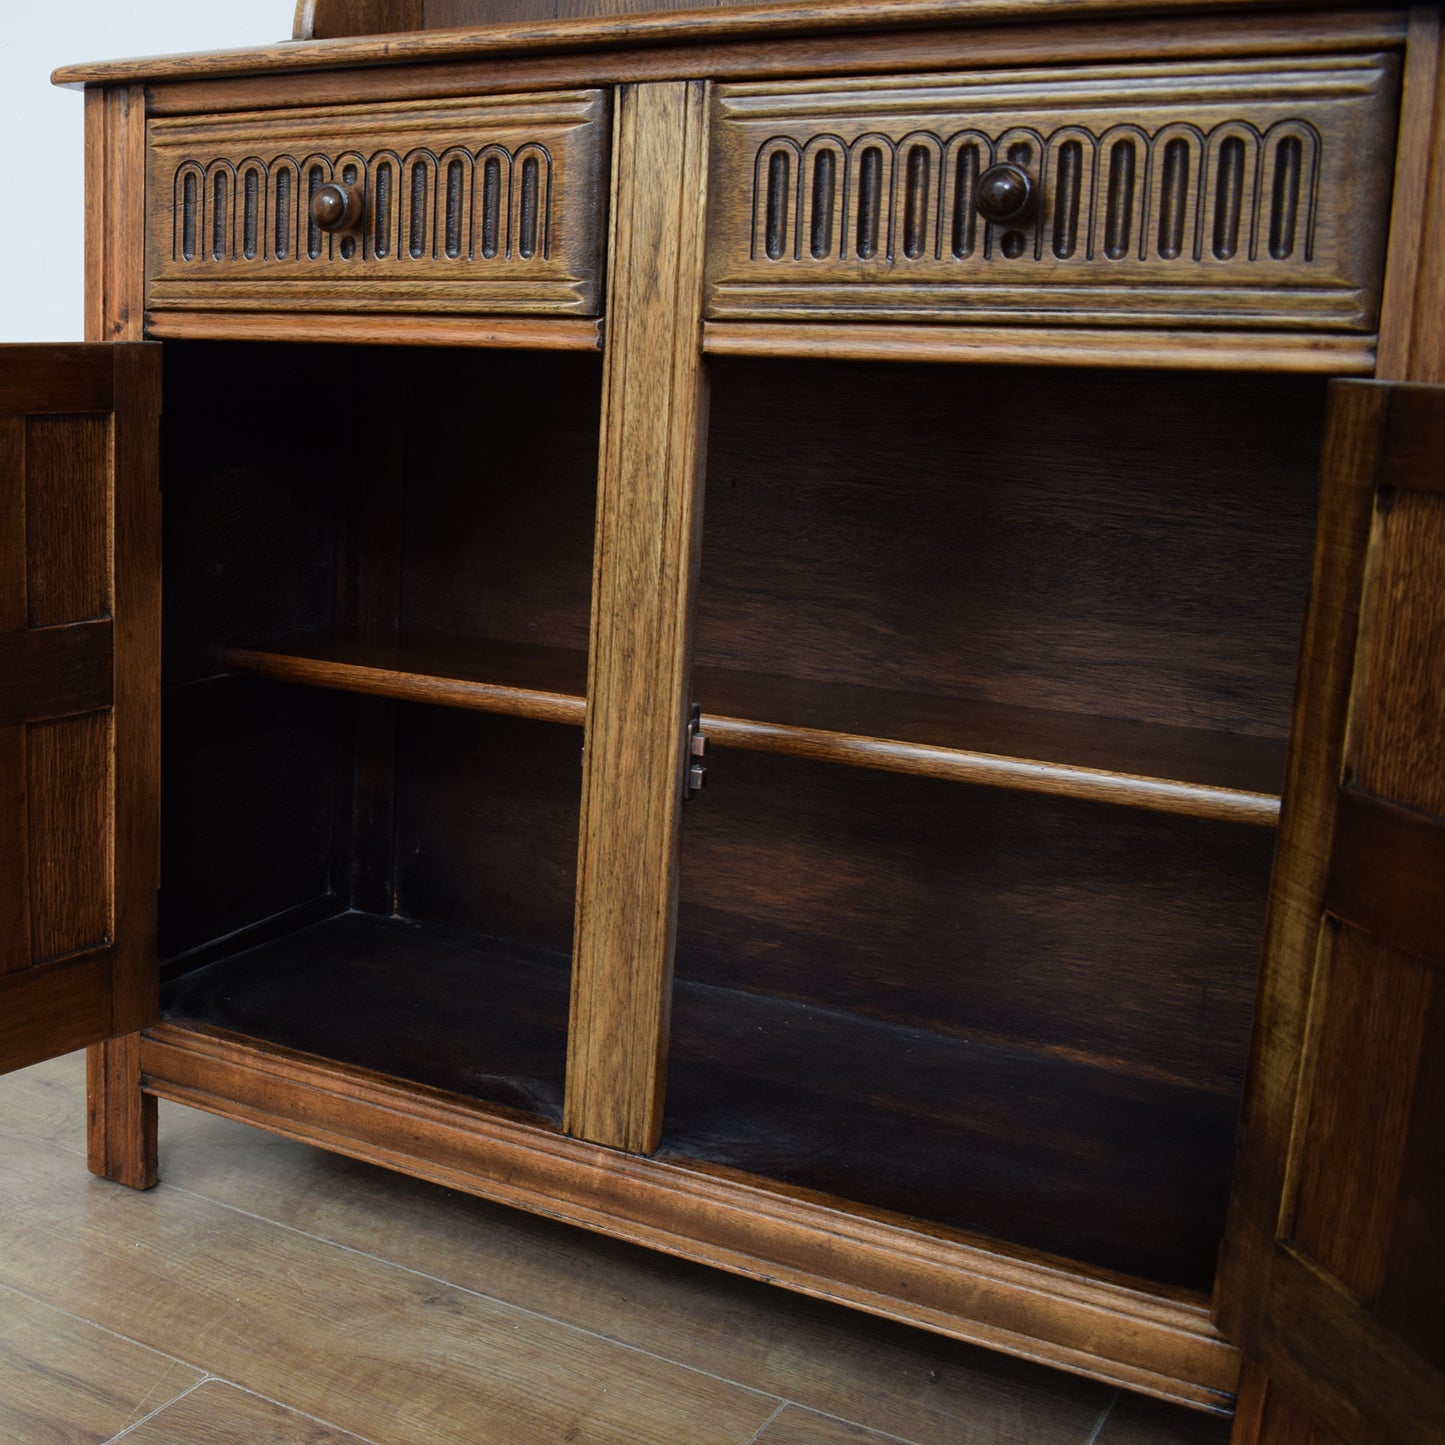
<point>1005,349</point>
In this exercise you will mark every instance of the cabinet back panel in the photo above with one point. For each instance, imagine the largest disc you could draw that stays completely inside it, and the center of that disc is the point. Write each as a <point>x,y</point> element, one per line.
<point>1127,939</point>
<point>257,496</point>
<point>1129,545</point>
<point>487,811</point>
<point>252,788</point>
<point>1122,1173</point>
<point>500,497</point>
<point>1018,1015</point>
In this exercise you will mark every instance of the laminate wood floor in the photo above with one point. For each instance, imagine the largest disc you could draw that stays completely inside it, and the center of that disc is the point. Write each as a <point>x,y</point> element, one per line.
<point>267,1293</point>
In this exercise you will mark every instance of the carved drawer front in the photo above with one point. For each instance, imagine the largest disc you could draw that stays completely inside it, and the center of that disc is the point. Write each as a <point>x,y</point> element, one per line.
<point>1229,194</point>
<point>492,205</point>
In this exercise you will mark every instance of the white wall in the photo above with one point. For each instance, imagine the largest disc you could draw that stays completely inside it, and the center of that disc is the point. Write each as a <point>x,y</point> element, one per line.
<point>41,238</point>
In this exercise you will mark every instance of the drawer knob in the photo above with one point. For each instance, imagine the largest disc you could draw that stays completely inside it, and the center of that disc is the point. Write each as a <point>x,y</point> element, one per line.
<point>336,206</point>
<point>1005,193</point>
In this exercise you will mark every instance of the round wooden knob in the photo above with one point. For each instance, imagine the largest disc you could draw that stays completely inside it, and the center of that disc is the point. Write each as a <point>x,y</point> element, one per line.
<point>1005,193</point>
<point>336,206</point>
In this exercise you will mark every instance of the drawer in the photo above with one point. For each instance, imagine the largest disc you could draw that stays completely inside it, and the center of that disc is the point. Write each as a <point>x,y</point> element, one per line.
<point>492,205</point>
<point>1216,194</point>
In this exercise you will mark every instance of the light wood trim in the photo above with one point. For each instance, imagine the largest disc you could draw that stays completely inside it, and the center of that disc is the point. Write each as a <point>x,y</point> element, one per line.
<point>115,213</point>
<point>756,23</point>
<point>865,53</point>
<point>563,333</point>
<point>648,509</point>
<point>1027,775</point>
<point>1120,1331</point>
<point>412,683</point>
<point>1034,346</point>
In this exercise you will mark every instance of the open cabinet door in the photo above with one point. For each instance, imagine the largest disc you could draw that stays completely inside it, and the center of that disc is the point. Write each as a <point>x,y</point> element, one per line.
<point>1333,1280</point>
<point>79,685</point>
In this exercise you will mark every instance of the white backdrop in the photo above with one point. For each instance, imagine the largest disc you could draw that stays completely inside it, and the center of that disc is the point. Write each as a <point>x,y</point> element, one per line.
<point>41,239</point>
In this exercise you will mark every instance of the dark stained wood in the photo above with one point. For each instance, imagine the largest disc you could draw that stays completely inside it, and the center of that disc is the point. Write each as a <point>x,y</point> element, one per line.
<point>46,379</point>
<point>1337,1092</point>
<point>70,823</point>
<point>66,512</point>
<point>487,824</point>
<point>54,671</point>
<point>446,1009</point>
<point>1351,455</point>
<point>1385,872</point>
<point>1173,770</point>
<point>546,683</point>
<point>54,1008</point>
<point>77,443</point>
<point>1126,1174</point>
<point>1146,1338</point>
<point>1075,571</point>
<point>1411,1284</point>
<point>1116,937</point>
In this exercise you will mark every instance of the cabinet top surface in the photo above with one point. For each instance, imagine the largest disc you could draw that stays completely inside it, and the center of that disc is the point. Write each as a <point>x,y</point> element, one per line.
<point>759,24</point>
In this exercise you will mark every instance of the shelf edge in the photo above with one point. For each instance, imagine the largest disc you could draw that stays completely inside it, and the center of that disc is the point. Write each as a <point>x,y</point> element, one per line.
<point>1162,795</point>
<point>472,696</point>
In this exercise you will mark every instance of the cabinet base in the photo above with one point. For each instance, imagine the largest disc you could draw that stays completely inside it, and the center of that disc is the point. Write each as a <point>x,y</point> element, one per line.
<point>1130,1334</point>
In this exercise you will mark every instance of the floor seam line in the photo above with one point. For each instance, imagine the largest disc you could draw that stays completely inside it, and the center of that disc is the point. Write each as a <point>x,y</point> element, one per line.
<point>474,1293</point>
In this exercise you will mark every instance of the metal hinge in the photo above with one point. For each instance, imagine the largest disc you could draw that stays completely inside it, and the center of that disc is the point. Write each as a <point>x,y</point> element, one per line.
<point>696,776</point>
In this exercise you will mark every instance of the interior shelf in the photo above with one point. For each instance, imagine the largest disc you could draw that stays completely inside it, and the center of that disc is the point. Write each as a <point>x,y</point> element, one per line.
<point>1053,1154</point>
<point>444,1007</point>
<point>548,684</point>
<point>1145,765</point>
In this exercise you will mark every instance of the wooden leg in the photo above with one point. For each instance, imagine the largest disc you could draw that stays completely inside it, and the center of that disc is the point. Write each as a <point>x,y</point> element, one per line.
<point>121,1119</point>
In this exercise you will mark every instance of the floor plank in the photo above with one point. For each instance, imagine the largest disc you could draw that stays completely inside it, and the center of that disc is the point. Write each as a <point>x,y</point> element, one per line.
<point>830,1359</point>
<point>220,1414</point>
<point>66,1382</point>
<point>376,1349</point>
<point>1135,1420</point>
<point>792,1426</point>
<point>400,1311</point>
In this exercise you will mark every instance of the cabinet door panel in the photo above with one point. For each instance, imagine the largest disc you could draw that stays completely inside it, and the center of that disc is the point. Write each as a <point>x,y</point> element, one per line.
<point>1332,1279</point>
<point>79,511</point>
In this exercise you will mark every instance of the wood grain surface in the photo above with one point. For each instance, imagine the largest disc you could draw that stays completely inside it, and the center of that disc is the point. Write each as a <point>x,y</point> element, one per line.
<point>649,511</point>
<point>771,22</point>
<point>217,1413</point>
<point>1112,1329</point>
<point>64,1381</point>
<point>1227,194</point>
<point>493,206</point>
